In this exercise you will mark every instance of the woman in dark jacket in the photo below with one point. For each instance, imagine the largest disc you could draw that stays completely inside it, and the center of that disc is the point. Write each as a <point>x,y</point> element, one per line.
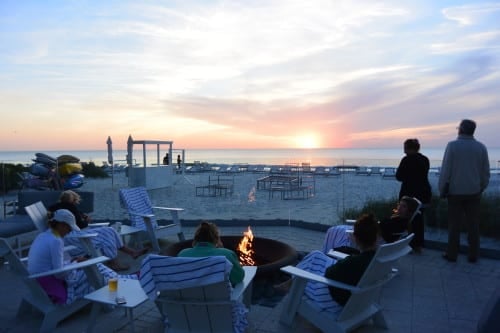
<point>413,171</point>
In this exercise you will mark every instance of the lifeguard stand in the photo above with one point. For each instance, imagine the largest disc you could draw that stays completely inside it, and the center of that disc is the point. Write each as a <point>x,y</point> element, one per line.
<point>151,176</point>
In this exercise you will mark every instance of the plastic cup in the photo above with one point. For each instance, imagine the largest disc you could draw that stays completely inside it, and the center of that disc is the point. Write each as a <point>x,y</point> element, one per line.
<point>113,284</point>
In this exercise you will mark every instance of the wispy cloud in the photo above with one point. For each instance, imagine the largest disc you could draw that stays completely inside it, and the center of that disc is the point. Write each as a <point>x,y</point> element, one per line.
<point>249,73</point>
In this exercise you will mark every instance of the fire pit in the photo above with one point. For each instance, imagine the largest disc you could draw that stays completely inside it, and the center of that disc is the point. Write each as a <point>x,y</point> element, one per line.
<point>269,254</point>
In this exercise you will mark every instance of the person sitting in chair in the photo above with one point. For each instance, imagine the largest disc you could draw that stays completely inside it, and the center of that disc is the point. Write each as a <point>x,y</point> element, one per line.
<point>348,270</point>
<point>207,243</point>
<point>47,253</point>
<point>107,240</point>
<point>390,229</point>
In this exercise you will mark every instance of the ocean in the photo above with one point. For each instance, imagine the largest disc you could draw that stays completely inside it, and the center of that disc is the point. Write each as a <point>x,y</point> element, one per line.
<point>385,157</point>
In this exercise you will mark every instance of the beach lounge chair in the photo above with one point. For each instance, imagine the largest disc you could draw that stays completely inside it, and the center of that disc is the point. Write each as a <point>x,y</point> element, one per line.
<point>361,306</point>
<point>36,298</point>
<point>389,173</point>
<point>375,170</point>
<point>136,201</point>
<point>362,171</point>
<point>195,295</point>
<point>334,171</point>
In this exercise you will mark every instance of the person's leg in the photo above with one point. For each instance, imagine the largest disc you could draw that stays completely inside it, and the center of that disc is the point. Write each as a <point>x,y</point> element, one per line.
<point>77,285</point>
<point>105,241</point>
<point>108,241</point>
<point>455,216</point>
<point>472,213</point>
<point>417,227</point>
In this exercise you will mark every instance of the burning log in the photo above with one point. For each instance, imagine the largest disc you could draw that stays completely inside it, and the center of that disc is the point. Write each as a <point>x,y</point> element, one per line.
<point>244,250</point>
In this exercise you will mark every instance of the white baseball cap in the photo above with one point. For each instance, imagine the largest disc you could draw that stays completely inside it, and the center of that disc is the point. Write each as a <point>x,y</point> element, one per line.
<point>65,216</point>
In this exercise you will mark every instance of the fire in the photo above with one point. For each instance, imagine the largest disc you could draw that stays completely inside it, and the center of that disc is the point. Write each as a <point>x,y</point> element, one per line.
<point>245,250</point>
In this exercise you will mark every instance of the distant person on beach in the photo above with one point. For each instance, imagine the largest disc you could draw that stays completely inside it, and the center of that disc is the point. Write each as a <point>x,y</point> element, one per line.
<point>179,161</point>
<point>465,174</point>
<point>207,243</point>
<point>47,253</point>
<point>165,159</point>
<point>348,270</point>
<point>389,229</point>
<point>108,241</point>
<point>413,172</point>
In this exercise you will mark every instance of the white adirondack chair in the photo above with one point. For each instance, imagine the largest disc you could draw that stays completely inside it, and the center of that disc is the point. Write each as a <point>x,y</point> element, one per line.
<point>136,201</point>
<point>37,298</point>
<point>38,214</point>
<point>195,295</point>
<point>361,306</point>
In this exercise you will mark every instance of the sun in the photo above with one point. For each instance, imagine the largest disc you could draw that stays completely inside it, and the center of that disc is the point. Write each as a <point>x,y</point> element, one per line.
<point>307,141</point>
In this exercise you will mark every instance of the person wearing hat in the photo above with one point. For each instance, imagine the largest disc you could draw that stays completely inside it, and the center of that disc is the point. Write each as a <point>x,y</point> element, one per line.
<point>47,253</point>
<point>108,240</point>
<point>465,174</point>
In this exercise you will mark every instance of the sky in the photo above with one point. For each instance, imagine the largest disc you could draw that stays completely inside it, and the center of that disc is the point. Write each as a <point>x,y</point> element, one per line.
<point>247,74</point>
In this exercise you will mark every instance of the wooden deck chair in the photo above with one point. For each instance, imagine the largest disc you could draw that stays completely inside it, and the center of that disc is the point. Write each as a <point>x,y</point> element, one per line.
<point>38,214</point>
<point>136,201</point>
<point>361,306</point>
<point>36,298</point>
<point>195,295</point>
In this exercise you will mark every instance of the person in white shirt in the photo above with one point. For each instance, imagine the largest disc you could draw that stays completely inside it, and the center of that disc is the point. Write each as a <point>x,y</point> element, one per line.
<point>47,253</point>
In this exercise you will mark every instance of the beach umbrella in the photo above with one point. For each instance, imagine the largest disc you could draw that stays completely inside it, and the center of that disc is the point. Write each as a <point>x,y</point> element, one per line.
<point>130,144</point>
<point>110,150</point>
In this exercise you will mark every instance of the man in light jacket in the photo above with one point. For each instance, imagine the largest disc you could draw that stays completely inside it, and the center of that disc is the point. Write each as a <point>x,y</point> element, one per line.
<point>464,176</point>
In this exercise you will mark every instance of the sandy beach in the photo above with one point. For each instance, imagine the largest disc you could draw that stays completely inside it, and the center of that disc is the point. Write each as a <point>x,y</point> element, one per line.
<point>331,195</point>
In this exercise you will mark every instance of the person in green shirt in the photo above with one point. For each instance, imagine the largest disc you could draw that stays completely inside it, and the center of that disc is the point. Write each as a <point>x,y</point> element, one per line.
<point>207,243</point>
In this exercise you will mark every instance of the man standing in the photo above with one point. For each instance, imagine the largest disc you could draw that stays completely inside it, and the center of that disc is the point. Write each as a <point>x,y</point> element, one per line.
<point>465,174</point>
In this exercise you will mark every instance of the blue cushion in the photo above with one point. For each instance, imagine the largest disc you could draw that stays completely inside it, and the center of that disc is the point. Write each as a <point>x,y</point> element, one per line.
<point>16,225</point>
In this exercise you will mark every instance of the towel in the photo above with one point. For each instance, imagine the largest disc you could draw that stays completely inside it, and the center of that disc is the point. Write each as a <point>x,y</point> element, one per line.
<point>337,236</point>
<point>171,273</point>
<point>163,272</point>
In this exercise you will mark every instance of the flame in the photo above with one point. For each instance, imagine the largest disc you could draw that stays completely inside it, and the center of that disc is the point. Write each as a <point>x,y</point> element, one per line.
<point>245,250</point>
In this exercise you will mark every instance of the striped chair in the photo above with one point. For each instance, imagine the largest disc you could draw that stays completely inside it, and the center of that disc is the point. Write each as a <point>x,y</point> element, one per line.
<point>195,295</point>
<point>136,201</point>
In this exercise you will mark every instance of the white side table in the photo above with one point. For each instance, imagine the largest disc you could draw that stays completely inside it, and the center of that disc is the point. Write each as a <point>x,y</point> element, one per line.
<point>130,289</point>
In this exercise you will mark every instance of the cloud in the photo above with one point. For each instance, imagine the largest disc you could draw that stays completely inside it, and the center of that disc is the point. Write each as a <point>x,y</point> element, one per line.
<point>472,14</point>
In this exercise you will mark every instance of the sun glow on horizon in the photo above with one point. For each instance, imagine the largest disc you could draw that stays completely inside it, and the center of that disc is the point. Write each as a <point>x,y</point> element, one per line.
<point>307,141</point>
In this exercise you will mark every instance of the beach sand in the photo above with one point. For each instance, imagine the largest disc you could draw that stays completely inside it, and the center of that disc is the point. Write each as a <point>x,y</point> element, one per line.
<point>331,196</point>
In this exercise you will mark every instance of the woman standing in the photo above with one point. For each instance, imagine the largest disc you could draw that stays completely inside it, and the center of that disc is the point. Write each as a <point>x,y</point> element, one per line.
<point>413,171</point>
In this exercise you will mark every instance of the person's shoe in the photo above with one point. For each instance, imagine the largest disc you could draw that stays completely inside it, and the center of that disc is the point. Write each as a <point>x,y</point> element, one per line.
<point>472,259</point>
<point>448,258</point>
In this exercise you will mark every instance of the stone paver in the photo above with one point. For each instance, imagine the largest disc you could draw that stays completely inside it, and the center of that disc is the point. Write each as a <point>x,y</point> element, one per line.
<point>429,295</point>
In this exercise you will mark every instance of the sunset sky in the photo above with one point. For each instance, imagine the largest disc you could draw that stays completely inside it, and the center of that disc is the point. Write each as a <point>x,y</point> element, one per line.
<point>247,74</point>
